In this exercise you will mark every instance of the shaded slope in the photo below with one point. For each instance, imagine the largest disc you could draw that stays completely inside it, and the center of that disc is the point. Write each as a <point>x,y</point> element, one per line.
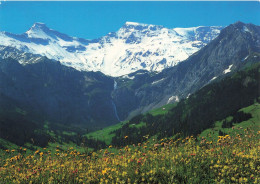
<point>58,93</point>
<point>213,102</point>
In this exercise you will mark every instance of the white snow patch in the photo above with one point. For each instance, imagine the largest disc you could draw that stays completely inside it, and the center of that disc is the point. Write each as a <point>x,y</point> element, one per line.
<point>185,31</point>
<point>245,58</point>
<point>155,82</point>
<point>133,23</point>
<point>173,98</point>
<point>245,29</point>
<point>228,70</point>
<point>213,78</point>
<point>128,77</point>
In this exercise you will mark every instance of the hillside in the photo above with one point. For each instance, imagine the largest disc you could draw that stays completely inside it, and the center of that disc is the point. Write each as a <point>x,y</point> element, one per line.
<point>229,159</point>
<point>200,111</point>
<point>57,93</point>
<point>224,153</point>
<point>106,134</point>
<point>132,94</point>
<point>46,102</point>
<point>233,49</point>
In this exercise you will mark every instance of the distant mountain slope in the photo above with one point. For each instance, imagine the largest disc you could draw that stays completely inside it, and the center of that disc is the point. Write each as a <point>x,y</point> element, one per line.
<point>133,47</point>
<point>200,111</point>
<point>237,46</point>
<point>53,92</point>
<point>35,89</point>
<point>23,57</point>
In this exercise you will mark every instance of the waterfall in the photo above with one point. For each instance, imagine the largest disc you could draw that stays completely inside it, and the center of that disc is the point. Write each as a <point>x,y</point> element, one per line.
<point>115,85</point>
<point>113,103</point>
<point>115,111</point>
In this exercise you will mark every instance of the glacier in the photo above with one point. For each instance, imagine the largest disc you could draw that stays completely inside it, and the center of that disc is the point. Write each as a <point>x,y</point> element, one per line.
<point>135,46</point>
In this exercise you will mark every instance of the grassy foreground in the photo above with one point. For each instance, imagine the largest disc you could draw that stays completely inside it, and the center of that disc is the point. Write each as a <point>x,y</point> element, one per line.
<point>230,159</point>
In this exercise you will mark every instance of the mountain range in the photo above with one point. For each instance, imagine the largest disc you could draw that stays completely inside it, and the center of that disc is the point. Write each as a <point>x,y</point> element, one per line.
<point>133,47</point>
<point>43,89</point>
<point>236,46</point>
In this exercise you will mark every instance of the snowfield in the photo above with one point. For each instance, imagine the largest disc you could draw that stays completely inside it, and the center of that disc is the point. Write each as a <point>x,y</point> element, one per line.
<point>133,47</point>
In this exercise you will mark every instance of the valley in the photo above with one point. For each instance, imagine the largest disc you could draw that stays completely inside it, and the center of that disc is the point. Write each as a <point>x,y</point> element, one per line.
<point>232,157</point>
<point>42,91</point>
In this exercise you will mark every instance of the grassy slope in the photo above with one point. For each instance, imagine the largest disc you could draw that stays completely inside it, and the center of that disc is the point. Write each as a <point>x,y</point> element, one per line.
<point>5,144</point>
<point>228,160</point>
<point>253,123</point>
<point>162,110</point>
<point>106,134</point>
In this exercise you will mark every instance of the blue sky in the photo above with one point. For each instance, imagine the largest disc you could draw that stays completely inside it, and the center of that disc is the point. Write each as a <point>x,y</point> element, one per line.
<point>94,19</point>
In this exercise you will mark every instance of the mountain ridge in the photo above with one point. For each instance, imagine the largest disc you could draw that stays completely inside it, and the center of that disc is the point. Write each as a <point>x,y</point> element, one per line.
<point>230,51</point>
<point>57,93</point>
<point>45,90</point>
<point>133,47</point>
<point>141,91</point>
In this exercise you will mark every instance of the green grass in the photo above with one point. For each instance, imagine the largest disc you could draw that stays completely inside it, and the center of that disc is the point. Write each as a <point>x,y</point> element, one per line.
<point>47,129</point>
<point>139,125</point>
<point>69,133</point>
<point>239,128</point>
<point>162,110</point>
<point>185,160</point>
<point>105,134</point>
<point>46,125</point>
<point>7,144</point>
<point>56,139</point>
<point>65,146</point>
<point>53,146</point>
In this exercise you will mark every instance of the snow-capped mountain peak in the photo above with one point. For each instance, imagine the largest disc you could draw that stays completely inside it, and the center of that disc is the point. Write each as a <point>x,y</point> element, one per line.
<point>39,26</point>
<point>41,31</point>
<point>127,23</point>
<point>133,47</point>
<point>38,30</point>
<point>140,26</point>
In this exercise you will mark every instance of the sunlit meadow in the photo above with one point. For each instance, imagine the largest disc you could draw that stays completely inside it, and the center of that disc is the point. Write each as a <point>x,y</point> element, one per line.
<point>230,159</point>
